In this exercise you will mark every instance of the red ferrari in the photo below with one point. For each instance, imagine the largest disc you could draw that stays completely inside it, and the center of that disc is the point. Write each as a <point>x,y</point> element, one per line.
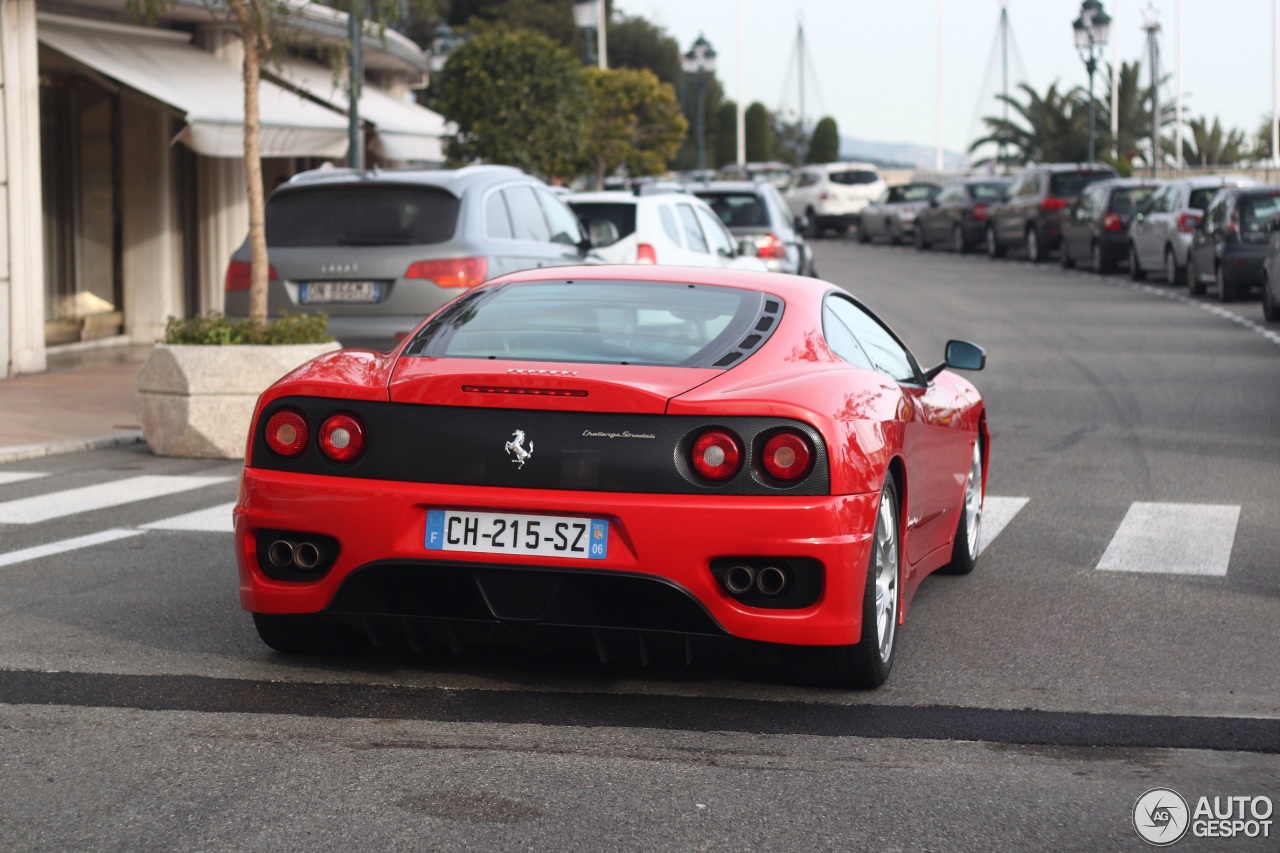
<point>639,452</point>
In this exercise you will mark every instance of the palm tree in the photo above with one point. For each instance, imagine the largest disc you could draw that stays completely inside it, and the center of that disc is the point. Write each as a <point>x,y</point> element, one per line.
<point>1210,145</point>
<point>1047,128</point>
<point>1133,107</point>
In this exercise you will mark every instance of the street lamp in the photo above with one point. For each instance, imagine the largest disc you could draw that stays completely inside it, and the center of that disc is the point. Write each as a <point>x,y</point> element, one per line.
<point>700,61</point>
<point>589,17</point>
<point>1091,30</point>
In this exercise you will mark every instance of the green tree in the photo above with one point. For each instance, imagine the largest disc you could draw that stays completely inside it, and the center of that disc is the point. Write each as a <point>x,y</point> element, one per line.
<point>726,138</point>
<point>1262,140</point>
<point>517,98</point>
<point>759,133</point>
<point>1046,128</point>
<point>825,145</point>
<point>634,122</point>
<point>260,24</point>
<point>1211,145</point>
<point>636,43</point>
<point>790,142</point>
<point>1133,110</point>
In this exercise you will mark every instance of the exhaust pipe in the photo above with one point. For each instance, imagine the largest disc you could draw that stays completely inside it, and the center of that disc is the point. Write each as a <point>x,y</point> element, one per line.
<point>739,579</point>
<point>771,580</point>
<point>306,556</point>
<point>281,553</point>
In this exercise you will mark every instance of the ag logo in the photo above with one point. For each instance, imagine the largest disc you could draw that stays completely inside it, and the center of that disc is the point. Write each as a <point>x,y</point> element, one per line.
<point>1161,816</point>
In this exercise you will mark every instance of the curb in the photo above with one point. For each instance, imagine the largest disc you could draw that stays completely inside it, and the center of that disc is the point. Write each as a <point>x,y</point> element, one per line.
<point>19,452</point>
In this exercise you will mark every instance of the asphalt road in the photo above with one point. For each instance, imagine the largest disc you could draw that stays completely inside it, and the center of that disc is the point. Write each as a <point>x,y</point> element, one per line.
<point>1030,706</point>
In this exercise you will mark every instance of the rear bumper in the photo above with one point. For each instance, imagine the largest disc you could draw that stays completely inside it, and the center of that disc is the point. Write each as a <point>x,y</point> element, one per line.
<point>657,573</point>
<point>1243,265</point>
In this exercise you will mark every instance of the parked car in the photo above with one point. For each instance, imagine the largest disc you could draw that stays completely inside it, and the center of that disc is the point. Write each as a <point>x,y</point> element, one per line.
<point>1096,227</point>
<point>757,216</point>
<point>637,452</point>
<point>831,195</point>
<point>957,216</point>
<point>379,250</point>
<point>1161,231</point>
<point>1230,243</point>
<point>1031,214</point>
<point>779,174</point>
<point>1271,279</point>
<point>893,214</point>
<point>660,228</point>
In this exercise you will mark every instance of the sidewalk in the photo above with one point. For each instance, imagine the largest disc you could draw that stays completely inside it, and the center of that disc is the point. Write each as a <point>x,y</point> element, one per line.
<point>84,400</point>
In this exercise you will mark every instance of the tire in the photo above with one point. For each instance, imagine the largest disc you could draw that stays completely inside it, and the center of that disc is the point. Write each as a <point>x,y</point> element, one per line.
<point>994,249</point>
<point>1035,251</point>
<point>1101,263</point>
<point>1194,284</point>
<point>1172,275</point>
<point>893,232</point>
<point>307,634</point>
<point>867,663</point>
<point>863,237</point>
<point>1270,310</point>
<point>922,245</point>
<point>958,244</point>
<point>811,229</point>
<point>964,550</point>
<point>1226,290</point>
<point>1136,272</point>
<point>1064,255</point>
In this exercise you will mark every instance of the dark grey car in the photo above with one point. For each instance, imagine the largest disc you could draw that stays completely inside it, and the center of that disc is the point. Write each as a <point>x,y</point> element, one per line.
<point>1095,230</point>
<point>755,213</point>
<point>1230,242</point>
<point>1031,213</point>
<point>379,250</point>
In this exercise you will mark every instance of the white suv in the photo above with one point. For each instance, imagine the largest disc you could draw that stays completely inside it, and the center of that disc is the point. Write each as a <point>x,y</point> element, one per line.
<point>829,196</point>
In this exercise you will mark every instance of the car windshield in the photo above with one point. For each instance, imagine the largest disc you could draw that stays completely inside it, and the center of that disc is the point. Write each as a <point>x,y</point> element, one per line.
<point>737,210</point>
<point>621,214</point>
<point>852,177</point>
<point>361,215</point>
<point>1071,183</point>
<point>601,322</point>
<point>1125,199</point>
<point>1257,212</point>
<point>988,191</point>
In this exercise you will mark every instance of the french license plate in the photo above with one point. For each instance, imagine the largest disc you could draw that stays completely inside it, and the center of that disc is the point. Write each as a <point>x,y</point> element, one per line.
<point>311,292</point>
<point>517,533</point>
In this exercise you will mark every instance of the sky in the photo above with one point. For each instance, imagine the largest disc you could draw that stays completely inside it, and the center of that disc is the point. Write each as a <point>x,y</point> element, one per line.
<point>876,61</point>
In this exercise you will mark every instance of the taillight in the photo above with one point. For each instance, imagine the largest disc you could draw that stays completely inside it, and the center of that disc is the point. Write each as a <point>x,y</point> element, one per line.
<point>450,272</point>
<point>341,438</point>
<point>1187,222</point>
<point>787,455</point>
<point>287,433</point>
<point>646,254</point>
<point>979,211</point>
<point>716,455</point>
<point>824,195</point>
<point>240,275</point>
<point>770,246</point>
<point>1111,222</point>
<point>1051,204</point>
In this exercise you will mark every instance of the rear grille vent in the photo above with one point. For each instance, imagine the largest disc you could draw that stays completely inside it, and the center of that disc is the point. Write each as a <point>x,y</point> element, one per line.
<point>728,359</point>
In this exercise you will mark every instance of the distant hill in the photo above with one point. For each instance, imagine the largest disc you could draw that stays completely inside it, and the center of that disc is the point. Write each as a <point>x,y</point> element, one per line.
<point>897,154</point>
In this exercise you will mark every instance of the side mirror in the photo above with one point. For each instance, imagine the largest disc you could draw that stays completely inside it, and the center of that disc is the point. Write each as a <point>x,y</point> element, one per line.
<point>601,233</point>
<point>959,355</point>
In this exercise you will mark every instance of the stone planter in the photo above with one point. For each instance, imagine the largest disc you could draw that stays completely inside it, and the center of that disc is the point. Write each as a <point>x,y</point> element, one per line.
<point>197,401</point>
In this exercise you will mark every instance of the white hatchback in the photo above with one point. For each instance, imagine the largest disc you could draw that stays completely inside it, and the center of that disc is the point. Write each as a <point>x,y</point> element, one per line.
<point>829,196</point>
<point>673,229</point>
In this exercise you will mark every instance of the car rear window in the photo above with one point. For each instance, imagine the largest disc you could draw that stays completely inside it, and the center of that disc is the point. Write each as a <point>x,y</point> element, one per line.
<point>737,209</point>
<point>621,214</point>
<point>1071,183</point>
<point>988,192</point>
<point>1125,199</point>
<point>1200,199</point>
<point>853,177</point>
<point>1257,212</point>
<point>600,322</point>
<point>361,215</point>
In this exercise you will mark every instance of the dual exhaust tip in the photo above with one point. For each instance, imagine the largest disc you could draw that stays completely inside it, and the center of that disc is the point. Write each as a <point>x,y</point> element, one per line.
<point>742,579</point>
<point>287,554</point>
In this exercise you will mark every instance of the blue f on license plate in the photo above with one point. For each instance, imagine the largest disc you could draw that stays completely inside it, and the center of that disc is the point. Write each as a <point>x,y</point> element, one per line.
<point>517,533</point>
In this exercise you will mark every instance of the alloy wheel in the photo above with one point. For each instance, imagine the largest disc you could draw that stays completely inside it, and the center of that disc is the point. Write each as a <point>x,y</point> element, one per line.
<point>886,569</point>
<point>973,503</point>
<point>1170,267</point>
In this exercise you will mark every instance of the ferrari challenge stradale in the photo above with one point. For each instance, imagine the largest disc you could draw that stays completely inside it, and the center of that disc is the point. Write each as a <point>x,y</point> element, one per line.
<point>655,453</point>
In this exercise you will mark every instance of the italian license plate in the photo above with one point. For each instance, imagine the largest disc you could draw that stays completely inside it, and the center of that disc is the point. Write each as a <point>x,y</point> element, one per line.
<point>517,533</point>
<point>311,292</point>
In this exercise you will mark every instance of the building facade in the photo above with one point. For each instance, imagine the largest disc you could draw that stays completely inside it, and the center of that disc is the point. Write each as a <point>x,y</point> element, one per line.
<point>121,173</point>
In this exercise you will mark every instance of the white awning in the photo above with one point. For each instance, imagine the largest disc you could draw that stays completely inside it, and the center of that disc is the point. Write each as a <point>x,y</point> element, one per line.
<point>162,65</point>
<point>402,131</point>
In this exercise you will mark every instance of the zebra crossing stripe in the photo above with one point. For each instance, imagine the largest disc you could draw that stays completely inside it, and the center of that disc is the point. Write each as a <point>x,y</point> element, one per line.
<point>1177,539</point>
<point>996,514</point>
<point>41,508</point>
<point>215,519</point>
<point>7,477</point>
<point>65,545</point>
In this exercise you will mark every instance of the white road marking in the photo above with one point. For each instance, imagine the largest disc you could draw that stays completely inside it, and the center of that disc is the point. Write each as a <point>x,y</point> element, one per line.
<point>7,477</point>
<point>34,510</point>
<point>1177,539</point>
<point>66,545</point>
<point>996,513</point>
<point>215,519</point>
